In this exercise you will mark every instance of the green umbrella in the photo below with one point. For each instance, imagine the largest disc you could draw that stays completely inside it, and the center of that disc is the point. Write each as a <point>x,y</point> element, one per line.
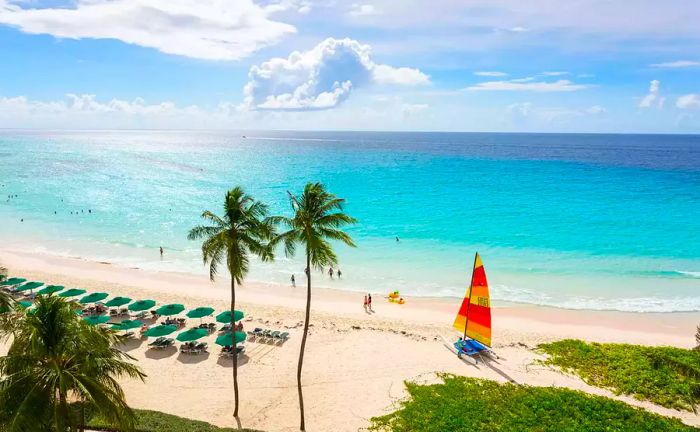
<point>170,309</point>
<point>12,281</point>
<point>29,286</point>
<point>225,317</point>
<point>127,325</point>
<point>25,304</point>
<point>141,305</point>
<point>160,330</point>
<point>118,301</point>
<point>192,334</point>
<point>97,319</point>
<point>50,289</point>
<point>94,297</point>
<point>72,292</point>
<point>200,312</point>
<point>227,339</point>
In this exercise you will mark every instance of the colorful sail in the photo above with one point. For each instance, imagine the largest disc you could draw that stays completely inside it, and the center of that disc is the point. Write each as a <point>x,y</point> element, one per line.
<point>475,311</point>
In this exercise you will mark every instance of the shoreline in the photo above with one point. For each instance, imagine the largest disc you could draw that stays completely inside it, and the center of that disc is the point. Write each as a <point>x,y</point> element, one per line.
<point>349,352</point>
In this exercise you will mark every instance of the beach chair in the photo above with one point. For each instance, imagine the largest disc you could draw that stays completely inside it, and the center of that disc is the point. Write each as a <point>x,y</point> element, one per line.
<point>157,342</point>
<point>140,315</point>
<point>283,337</point>
<point>167,343</point>
<point>255,333</point>
<point>226,328</point>
<point>240,350</point>
<point>274,335</point>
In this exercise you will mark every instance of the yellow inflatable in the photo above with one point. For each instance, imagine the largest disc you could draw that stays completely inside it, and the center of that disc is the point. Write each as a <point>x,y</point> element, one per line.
<point>393,295</point>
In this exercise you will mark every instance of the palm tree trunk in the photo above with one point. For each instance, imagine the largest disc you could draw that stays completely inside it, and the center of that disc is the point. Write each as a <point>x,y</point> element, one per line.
<point>303,338</point>
<point>235,353</point>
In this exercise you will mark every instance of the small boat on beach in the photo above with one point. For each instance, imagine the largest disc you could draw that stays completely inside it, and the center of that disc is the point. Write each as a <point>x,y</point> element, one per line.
<point>474,316</point>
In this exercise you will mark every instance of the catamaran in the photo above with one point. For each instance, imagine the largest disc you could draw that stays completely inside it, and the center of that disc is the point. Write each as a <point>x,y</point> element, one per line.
<point>474,316</point>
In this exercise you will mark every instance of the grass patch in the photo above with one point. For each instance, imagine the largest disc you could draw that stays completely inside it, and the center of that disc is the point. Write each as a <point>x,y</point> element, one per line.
<point>154,421</point>
<point>469,404</point>
<point>639,371</point>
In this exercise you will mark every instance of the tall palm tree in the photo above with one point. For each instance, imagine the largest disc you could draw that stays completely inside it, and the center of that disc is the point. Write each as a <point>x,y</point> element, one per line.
<point>243,230</point>
<point>318,217</point>
<point>6,300</point>
<point>55,359</point>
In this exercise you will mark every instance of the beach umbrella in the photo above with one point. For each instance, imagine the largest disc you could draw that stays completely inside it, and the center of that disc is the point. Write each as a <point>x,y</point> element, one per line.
<point>50,289</point>
<point>192,334</point>
<point>97,319</point>
<point>25,304</point>
<point>227,339</point>
<point>29,286</point>
<point>160,330</point>
<point>200,312</point>
<point>225,317</point>
<point>94,297</point>
<point>12,281</point>
<point>141,305</point>
<point>127,325</point>
<point>118,301</point>
<point>170,309</point>
<point>72,292</point>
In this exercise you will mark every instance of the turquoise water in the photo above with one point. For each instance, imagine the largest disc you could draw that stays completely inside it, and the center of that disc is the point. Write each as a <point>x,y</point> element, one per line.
<point>575,221</point>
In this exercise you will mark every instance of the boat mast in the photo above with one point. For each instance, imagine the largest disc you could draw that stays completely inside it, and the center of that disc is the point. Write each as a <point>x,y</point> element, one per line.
<point>471,287</point>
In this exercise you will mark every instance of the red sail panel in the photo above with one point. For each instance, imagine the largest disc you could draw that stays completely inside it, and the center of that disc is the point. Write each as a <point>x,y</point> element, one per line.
<point>475,311</point>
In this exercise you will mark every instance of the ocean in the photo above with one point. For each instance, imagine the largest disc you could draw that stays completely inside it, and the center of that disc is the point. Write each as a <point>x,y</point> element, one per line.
<point>604,222</point>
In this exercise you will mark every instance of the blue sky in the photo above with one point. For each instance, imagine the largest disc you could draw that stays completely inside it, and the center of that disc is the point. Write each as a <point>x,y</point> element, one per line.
<point>478,65</point>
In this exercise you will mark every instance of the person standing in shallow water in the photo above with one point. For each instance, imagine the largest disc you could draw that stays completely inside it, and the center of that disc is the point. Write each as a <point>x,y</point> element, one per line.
<point>339,273</point>
<point>161,251</point>
<point>294,282</point>
<point>369,302</point>
<point>330,272</point>
<point>364,305</point>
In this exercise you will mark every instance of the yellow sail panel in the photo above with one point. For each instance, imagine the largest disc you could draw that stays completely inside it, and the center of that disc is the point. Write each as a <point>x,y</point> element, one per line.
<point>475,311</point>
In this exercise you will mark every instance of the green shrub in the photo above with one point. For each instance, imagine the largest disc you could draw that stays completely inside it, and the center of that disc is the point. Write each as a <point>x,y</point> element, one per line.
<point>462,404</point>
<point>154,421</point>
<point>640,371</point>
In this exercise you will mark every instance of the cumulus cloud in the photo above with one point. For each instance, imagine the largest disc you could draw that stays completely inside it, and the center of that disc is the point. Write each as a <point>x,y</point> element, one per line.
<point>676,64</point>
<point>321,78</point>
<point>596,110</point>
<point>688,101</point>
<point>206,29</point>
<point>357,10</point>
<point>490,73</point>
<point>653,97</point>
<point>527,84</point>
<point>554,73</point>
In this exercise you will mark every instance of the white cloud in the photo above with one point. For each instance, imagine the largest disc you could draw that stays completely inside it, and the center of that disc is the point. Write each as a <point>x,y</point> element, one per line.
<point>363,10</point>
<point>206,29</point>
<point>596,110</point>
<point>676,64</point>
<point>490,73</point>
<point>320,78</point>
<point>522,80</point>
<point>532,86</point>
<point>518,29</point>
<point>653,96</point>
<point>688,101</point>
<point>554,73</point>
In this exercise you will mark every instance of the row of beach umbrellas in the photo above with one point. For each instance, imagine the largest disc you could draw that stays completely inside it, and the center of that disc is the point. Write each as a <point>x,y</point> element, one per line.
<point>226,339</point>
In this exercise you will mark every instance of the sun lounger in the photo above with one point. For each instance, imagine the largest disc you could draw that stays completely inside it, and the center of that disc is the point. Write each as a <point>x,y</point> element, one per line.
<point>274,335</point>
<point>158,341</point>
<point>201,347</point>
<point>282,337</point>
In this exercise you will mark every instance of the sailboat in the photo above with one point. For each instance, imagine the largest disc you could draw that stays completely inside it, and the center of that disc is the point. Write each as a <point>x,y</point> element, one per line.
<point>474,316</point>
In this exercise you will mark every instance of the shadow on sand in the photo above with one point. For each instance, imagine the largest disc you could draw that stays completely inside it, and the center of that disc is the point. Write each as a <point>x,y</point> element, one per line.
<point>228,361</point>
<point>193,358</point>
<point>130,344</point>
<point>156,354</point>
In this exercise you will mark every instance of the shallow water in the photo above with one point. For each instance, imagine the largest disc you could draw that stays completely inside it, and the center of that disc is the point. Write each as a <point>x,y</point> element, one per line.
<point>577,221</point>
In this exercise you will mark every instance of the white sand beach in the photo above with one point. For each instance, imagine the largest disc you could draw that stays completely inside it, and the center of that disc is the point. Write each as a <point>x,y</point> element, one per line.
<point>355,362</point>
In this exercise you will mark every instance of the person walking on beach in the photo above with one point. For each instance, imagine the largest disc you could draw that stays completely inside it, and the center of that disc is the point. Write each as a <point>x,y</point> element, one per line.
<point>397,239</point>
<point>294,282</point>
<point>330,272</point>
<point>369,302</point>
<point>339,273</point>
<point>365,304</point>
<point>161,251</point>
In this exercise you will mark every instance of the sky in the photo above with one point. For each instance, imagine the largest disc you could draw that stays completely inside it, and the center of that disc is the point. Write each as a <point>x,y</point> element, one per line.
<point>623,66</point>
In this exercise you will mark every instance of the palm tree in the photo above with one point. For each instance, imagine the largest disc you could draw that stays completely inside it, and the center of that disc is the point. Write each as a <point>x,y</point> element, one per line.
<point>242,231</point>
<point>318,217</point>
<point>55,359</point>
<point>6,300</point>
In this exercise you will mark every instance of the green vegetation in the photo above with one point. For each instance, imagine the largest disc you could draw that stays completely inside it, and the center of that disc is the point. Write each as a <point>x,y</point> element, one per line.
<point>241,232</point>
<point>318,217</point>
<point>664,375</point>
<point>462,404</point>
<point>55,357</point>
<point>154,421</point>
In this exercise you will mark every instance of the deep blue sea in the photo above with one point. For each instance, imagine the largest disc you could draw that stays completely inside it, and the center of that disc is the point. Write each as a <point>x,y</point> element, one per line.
<point>566,220</point>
